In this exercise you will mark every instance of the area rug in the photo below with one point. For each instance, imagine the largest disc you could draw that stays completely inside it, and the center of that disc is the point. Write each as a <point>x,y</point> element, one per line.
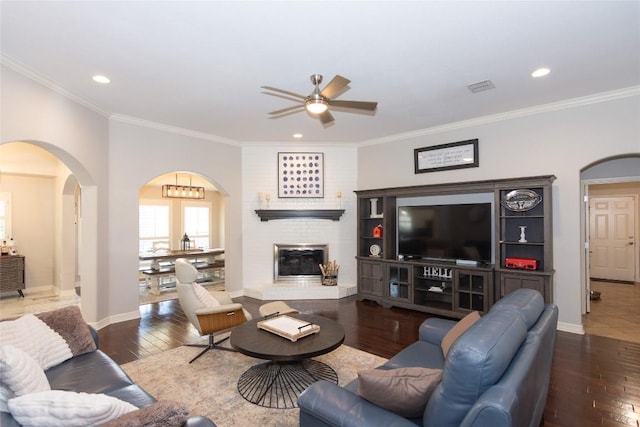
<point>209,385</point>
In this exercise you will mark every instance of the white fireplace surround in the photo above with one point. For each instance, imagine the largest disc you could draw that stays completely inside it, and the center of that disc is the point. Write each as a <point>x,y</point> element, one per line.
<point>303,286</point>
<point>298,262</point>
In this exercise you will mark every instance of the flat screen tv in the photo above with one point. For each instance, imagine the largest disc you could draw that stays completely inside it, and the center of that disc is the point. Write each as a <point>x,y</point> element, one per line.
<point>445,232</point>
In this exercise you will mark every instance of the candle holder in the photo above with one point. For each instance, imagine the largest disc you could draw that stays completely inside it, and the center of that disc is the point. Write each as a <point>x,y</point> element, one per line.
<point>339,197</point>
<point>523,237</point>
<point>268,198</point>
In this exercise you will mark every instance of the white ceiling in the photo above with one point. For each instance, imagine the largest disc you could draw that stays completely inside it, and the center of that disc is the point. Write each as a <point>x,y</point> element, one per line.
<point>199,65</point>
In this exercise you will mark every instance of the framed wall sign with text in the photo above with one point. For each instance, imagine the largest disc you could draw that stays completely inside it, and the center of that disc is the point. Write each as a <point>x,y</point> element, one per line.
<point>455,155</point>
<point>300,175</point>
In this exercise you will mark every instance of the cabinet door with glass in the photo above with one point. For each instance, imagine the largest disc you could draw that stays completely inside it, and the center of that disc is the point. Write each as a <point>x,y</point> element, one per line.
<point>398,282</point>
<point>473,290</point>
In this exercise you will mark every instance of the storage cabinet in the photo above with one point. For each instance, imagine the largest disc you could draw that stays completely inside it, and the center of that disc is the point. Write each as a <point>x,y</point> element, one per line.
<point>474,290</point>
<point>12,273</point>
<point>376,225</point>
<point>370,278</point>
<point>524,238</point>
<point>399,285</point>
<point>521,232</point>
<point>511,281</point>
<point>433,287</point>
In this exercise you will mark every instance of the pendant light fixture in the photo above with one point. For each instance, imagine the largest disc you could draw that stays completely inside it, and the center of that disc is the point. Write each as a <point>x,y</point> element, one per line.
<point>171,191</point>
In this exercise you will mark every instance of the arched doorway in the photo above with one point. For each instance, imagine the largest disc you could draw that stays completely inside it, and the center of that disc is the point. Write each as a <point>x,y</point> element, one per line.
<point>611,259</point>
<point>65,175</point>
<point>197,210</point>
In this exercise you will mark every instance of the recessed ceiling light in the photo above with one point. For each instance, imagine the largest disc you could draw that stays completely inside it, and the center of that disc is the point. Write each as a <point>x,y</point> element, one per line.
<point>101,79</point>
<point>540,72</point>
<point>297,135</point>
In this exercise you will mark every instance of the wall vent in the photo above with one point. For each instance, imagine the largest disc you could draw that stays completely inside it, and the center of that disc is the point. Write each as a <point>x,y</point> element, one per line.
<point>481,86</point>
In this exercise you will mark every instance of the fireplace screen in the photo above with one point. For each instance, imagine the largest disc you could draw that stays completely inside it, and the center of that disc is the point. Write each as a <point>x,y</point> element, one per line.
<point>298,261</point>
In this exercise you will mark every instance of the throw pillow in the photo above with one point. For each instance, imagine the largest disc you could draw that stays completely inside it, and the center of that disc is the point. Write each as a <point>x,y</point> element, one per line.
<point>164,413</point>
<point>204,296</point>
<point>67,408</point>
<point>404,391</point>
<point>20,373</point>
<point>37,339</point>
<point>69,323</point>
<point>457,331</point>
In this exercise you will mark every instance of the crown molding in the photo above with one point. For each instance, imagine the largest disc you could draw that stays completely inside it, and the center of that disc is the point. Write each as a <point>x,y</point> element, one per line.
<point>539,109</point>
<point>22,69</point>
<point>556,106</point>
<point>173,129</point>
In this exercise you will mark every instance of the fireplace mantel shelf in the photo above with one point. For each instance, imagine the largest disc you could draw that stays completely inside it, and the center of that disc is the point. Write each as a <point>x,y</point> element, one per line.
<point>269,214</point>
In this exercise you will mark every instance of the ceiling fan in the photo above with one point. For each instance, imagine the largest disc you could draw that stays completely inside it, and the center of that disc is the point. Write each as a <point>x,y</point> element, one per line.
<point>319,101</point>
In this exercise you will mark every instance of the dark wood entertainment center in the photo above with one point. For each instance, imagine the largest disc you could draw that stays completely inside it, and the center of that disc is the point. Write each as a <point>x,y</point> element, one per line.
<point>447,287</point>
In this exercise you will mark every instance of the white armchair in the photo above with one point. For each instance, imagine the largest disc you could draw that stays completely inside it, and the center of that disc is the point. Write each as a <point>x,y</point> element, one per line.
<point>210,313</point>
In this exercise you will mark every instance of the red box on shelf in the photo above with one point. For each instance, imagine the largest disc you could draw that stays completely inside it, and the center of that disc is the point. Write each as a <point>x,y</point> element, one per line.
<point>521,263</point>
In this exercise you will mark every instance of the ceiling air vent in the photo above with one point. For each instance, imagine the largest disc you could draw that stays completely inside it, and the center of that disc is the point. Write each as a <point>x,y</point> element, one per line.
<point>481,86</point>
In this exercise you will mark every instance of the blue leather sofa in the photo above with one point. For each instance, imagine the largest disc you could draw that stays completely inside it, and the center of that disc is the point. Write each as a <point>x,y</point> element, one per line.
<point>496,374</point>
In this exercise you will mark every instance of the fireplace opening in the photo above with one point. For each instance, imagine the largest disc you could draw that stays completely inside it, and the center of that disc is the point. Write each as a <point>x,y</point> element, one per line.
<point>293,262</point>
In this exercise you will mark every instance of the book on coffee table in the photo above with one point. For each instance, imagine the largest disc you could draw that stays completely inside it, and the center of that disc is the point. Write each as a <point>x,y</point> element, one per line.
<point>289,327</point>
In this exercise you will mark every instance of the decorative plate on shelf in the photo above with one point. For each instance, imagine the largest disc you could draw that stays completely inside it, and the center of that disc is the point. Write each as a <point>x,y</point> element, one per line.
<point>521,200</point>
<point>375,250</point>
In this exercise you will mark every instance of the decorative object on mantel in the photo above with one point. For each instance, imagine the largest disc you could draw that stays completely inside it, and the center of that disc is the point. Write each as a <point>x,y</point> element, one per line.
<point>176,191</point>
<point>300,175</point>
<point>377,231</point>
<point>329,273</point>
<point>339,197</point>
<point>269,214</point>
<point>455,155</point>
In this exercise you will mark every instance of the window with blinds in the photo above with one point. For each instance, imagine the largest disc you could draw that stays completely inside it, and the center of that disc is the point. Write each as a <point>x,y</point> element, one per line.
<point>154,226</point>
<point>197,223</point>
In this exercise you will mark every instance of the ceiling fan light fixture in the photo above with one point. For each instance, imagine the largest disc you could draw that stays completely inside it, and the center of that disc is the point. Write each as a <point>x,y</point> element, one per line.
<point>316,105</point>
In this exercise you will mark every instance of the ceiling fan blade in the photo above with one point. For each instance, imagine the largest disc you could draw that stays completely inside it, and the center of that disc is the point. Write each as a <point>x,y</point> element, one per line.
<point>288,98</point>
<point>286,110</point>
<point>335,86</point>
<point>358,105</point>
<point>326,117</point>
<point>275,89</point>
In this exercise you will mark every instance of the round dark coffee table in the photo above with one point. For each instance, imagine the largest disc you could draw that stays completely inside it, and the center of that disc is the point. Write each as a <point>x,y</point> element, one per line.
<point>290,370</point>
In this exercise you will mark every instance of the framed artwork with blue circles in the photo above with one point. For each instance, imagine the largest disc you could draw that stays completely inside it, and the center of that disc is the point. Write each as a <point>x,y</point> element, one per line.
<point>300,175</point>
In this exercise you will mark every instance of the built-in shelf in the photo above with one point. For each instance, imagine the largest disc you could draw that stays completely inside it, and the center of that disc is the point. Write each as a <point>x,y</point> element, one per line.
<point>269,214</point>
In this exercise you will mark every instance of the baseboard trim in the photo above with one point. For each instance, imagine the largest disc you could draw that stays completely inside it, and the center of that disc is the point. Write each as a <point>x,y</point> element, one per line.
<point>132,315</point>
<point>571,327</point>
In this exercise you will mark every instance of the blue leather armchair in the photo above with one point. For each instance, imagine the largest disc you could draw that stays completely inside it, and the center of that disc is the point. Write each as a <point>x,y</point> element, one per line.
<point>496,374</point>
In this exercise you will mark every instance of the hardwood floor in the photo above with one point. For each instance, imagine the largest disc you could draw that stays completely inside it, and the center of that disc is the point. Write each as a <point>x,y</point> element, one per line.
<point>595,381</point>
<point>617,313</point>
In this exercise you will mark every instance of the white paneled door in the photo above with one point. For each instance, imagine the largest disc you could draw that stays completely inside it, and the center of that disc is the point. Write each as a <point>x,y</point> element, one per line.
<point>612,238</point>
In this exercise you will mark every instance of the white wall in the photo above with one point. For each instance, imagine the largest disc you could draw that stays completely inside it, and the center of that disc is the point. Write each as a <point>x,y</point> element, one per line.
<point>78,137</point>
<point>33,229</point>
<point>555,142</point>
<point>138,154</point>
<point>260,174</point>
